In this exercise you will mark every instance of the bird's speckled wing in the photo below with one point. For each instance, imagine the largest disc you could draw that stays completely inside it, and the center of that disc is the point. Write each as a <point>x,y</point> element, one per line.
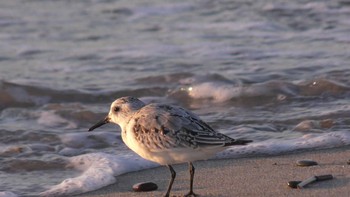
<point>165,126</point>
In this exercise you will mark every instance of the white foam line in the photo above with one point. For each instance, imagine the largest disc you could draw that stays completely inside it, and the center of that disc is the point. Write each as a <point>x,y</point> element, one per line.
<point>276,147</point>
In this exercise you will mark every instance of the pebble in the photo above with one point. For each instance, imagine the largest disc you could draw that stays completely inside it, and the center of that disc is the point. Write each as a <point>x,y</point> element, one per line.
<point>293,184</point>
<point>144,187</point>
<point>305,163</point>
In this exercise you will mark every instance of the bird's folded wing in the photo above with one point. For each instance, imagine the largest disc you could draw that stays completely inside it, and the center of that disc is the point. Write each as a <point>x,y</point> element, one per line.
<point>163,127</point>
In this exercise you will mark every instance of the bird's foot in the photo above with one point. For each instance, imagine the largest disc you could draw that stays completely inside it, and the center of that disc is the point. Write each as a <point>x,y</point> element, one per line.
<point>191,193</point>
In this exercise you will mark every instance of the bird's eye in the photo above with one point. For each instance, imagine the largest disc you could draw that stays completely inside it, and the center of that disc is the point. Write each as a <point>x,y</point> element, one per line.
<point>116,109</point>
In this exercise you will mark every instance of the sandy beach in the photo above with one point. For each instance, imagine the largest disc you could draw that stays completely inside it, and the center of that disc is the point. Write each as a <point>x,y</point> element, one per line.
<point>254,176</point>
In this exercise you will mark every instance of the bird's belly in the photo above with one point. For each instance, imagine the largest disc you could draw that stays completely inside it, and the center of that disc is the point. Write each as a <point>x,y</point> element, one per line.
<point>180,155</point>
<point>169,155</point>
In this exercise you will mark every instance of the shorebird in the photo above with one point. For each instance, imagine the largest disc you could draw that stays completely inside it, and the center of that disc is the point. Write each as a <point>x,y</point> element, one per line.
<point>166,134</point>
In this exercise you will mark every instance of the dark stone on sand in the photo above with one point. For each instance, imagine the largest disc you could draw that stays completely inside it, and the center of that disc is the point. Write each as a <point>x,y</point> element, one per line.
<point>144,187</point>
<point>293,184</point>
<point>305,163</point>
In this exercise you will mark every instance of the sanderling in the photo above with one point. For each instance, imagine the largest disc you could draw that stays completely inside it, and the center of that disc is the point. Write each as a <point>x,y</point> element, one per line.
<point>166,134</point>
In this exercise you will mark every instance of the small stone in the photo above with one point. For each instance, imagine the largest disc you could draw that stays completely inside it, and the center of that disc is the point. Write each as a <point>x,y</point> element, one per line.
<point>144,187</point>
<point>348,162</point>
<point>305,163</point>
<point>293,184</point>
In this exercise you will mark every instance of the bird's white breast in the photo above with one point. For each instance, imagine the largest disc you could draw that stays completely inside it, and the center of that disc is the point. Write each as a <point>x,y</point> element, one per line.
<point>129,138</point>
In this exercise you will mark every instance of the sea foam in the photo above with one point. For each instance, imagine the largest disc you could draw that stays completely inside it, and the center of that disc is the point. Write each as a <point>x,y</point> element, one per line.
<point>98,170</point>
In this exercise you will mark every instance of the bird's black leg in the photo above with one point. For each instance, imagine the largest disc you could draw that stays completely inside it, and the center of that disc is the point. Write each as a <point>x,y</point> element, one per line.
<point>173,175</point>
<point>191,168</point>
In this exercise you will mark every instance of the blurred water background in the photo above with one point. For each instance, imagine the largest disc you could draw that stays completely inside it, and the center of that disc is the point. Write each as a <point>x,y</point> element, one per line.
<point>274,71</point>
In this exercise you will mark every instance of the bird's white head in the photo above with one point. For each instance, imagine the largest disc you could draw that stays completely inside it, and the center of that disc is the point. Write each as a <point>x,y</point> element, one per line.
<point>120,111</point>
<point>122,108</point>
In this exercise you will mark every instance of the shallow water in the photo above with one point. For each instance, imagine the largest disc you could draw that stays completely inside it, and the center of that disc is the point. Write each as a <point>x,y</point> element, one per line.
<point>276,72</point>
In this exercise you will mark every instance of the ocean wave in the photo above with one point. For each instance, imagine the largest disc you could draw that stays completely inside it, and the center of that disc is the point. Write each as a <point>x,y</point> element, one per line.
<point>19,95</point>
<point>178,86</point>
<point>219,91</point>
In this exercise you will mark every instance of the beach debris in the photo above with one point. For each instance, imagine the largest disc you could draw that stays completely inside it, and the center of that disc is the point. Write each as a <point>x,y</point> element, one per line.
<point>144,187</point>
<point>302,184</point>
<point>306,162</point>
<point>314,179</point>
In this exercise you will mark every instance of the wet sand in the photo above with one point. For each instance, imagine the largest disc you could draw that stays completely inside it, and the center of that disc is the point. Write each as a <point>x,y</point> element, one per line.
<point>254,176</point>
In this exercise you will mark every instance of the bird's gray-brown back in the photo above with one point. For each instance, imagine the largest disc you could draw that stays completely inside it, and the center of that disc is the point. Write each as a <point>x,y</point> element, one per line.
<point>166,126</point>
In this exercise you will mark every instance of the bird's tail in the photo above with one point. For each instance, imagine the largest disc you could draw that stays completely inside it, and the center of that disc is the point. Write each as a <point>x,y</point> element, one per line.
<point>238,142</point>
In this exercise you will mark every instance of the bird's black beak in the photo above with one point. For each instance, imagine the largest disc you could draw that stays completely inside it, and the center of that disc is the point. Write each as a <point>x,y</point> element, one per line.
<point>100,123</point>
